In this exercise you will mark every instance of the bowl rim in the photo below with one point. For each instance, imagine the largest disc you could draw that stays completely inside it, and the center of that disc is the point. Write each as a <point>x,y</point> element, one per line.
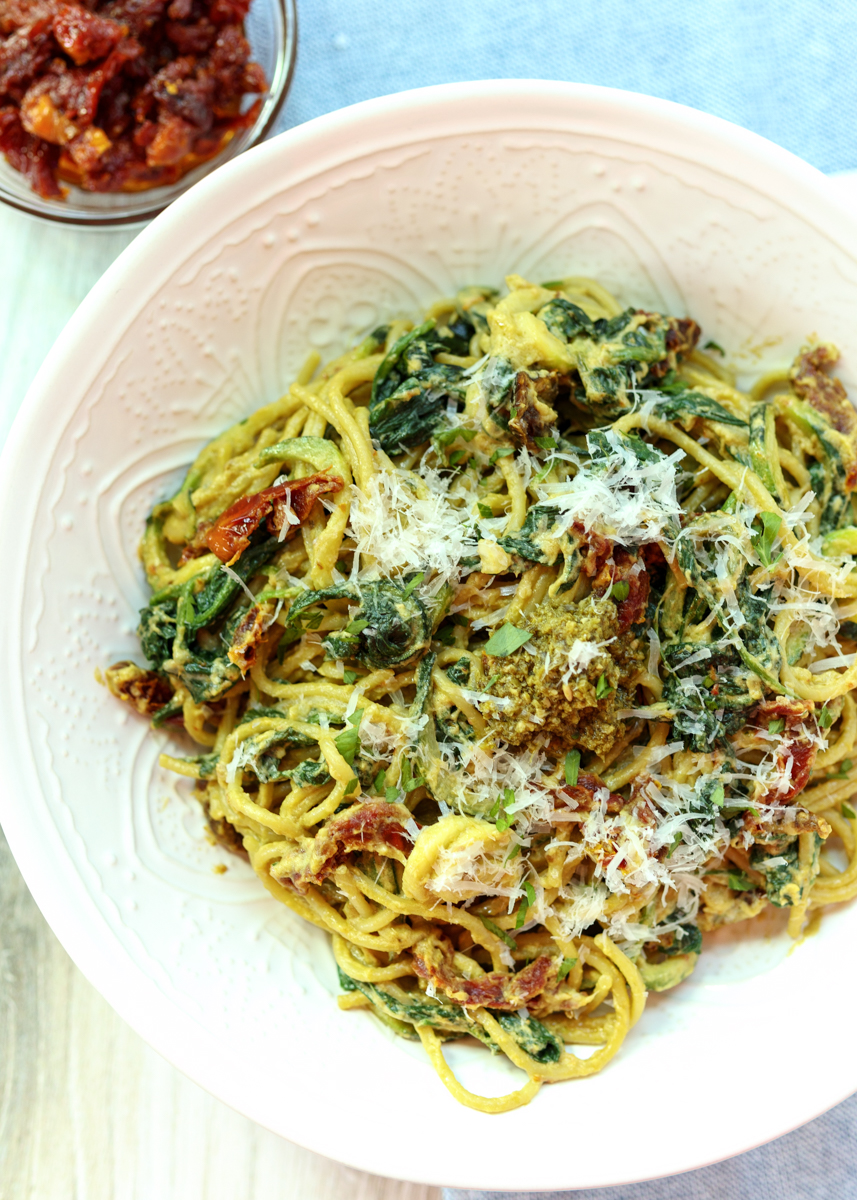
<point>272,105</point>
<point>299,154</point>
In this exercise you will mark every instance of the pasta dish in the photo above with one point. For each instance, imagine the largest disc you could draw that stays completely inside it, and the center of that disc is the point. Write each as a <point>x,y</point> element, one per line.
<point>519,651</point>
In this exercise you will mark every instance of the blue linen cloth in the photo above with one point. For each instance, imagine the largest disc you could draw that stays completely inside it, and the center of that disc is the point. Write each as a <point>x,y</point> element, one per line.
<point>781,69</point>
<point>815,1162</point>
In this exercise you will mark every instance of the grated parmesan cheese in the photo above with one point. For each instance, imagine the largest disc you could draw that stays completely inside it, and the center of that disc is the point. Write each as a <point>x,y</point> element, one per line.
<point>407,521</point>
<point>236,578</point>
<point>628,500</point>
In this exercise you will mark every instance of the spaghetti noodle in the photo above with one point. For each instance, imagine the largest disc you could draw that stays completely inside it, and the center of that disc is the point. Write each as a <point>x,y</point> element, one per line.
<point>521,649</point>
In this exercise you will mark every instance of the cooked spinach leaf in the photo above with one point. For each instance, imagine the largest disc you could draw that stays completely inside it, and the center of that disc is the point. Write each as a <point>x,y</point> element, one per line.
<point>389,627</point>
<point>532,1037</point>
<point>410,390</point>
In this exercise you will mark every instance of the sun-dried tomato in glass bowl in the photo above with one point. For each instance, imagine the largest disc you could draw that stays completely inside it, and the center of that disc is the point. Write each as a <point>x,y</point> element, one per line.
<point>124,96</point>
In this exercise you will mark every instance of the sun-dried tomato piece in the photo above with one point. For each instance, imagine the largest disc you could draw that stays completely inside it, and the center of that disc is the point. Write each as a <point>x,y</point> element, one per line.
<point>370,827</point>
<point>172,141</point>
<point>180,93</point>
<point>229,12</point>
<point>228,62</point>
<point>84,35</point>
<point>65,100</point>
<point>581,795</point>
<point>23,56</point>
<point>626,568</point>
<point>230,534</point>
<point>796,748</point>
<point>191,39</point>
<point>141,16</point>
<point>34,158</point>
<point>147,691</point>
<point>433,960</point>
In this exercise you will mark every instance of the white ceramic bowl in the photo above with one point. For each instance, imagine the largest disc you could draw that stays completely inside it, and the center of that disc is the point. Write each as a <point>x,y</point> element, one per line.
<point>307,241</point>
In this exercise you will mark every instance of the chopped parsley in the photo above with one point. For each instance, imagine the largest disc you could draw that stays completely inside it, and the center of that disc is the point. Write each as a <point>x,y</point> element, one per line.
<point>572,766</point>
<point>527,901</point>
<point>499,810</point>
<point>506,640</point>
<point>492,927</point>
<point>348,741</point>
<point>413,584</point>
<point>763,542</point>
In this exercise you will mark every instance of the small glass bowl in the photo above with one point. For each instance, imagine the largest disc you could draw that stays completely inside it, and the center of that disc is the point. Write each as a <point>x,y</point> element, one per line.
<point>272,31</point>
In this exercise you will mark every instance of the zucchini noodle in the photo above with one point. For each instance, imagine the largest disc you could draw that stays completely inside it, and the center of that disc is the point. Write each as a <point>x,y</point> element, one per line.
<point>518,648</point>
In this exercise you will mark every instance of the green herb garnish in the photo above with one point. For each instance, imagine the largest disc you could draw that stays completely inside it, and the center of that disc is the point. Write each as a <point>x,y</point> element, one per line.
<point>763,542</point>
<point>500,809</point>
<point>348,741</point>
<point>409,782</point>
<point>506,640</point>
<point>572,766</point>
<point>447,436</point>
<point>843,771</point>
<point>500,933</point>
<point>675,843</point>
<point>602,687</point>
<point>528,900</point>
<point>413,583</point>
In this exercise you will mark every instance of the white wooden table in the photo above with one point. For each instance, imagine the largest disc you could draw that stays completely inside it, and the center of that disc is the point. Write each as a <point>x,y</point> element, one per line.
<point>87,1110</point>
